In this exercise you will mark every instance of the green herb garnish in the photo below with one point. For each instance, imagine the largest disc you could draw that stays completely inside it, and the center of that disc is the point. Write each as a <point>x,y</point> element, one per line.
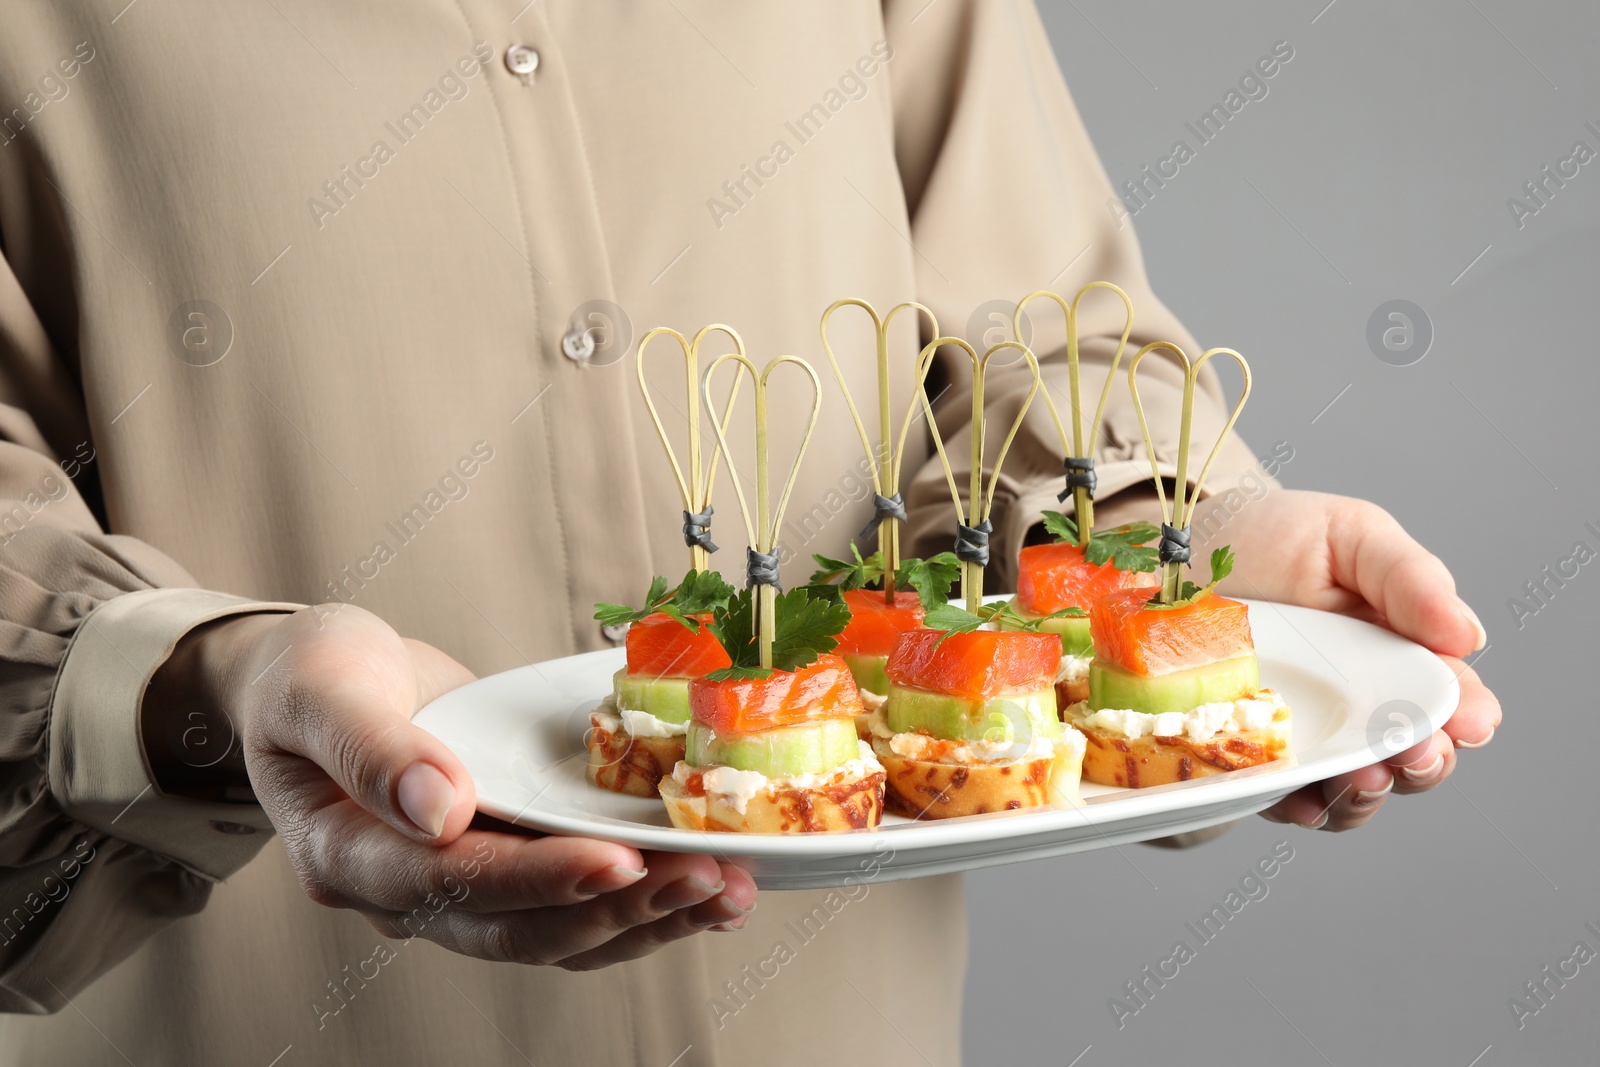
<point>1221,567</point>
<point>954,620</point>
<point>698,593</point>
<point>805,627</point>
<point>931,577</point>
<point>1123,546</point>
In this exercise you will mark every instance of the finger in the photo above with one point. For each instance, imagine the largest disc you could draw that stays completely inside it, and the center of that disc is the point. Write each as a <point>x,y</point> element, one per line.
<point>1424,766</point>
<point>1408,585</point>
<point>1303,807</point>
<point>360,862</point>
<point>1350,800</point>
<point>549,935</point>
<point>343,699</point>
<point>726,911</point>
<point>1478,713</point>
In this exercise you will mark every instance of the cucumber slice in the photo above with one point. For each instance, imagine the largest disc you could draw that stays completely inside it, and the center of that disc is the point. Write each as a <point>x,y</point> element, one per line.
<point>1185,690</point>
<point>665,698</point>
<point>1015,718</point>
<point>1074,631</point>
<point>868,672</point>
<point>814,748</point>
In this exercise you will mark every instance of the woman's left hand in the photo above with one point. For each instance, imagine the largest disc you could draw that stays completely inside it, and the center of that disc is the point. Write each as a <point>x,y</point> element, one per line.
<point>1341,554</point>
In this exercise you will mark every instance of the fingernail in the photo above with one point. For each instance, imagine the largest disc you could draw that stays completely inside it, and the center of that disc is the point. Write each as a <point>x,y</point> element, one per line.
<point>426,796</point>
<point>609,880</point>
<point>1370,798</point>
<point>1419,775</point>
<point>682,893</point>
<point>1476,744</point>
<point>728,927</point>
<point>1319,822</point>
<point>1477,626</point>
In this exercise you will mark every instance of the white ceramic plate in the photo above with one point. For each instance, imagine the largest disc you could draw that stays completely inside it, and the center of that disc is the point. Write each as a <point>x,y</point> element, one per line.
<point>1359,693</point>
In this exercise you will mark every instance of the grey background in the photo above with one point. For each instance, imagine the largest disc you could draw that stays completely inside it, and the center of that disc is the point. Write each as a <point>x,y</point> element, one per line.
<point>1382,159</point>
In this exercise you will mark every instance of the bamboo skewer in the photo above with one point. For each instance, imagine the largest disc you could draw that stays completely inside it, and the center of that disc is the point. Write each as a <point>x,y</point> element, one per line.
<point>884,460</point>
<point>696,487</point>
<point>1079,447</point>
<point>1178,514</point>
<point>762,528</point>
<point>980,505</point>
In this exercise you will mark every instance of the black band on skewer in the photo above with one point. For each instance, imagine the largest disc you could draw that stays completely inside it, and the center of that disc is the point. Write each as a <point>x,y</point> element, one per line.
<point>884,508</point>
<point>972,543</point>
<point>761,568</point>
<point>1174,544</point>
<point>1080,475</point>
<point>697,529</point>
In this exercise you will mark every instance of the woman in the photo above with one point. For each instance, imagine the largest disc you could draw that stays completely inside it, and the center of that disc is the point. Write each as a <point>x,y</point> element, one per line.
<point>297,307</point>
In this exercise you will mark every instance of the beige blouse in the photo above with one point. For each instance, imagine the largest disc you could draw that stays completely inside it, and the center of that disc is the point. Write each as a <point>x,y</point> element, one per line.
<point>305,302</point>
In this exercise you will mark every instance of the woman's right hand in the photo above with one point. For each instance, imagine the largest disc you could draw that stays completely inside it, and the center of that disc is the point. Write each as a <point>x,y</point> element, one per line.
<point>377,815</point>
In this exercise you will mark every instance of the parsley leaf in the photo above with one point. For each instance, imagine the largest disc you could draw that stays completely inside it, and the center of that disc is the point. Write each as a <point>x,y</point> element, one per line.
<point>954,620</point>
<point>1122,546</point>
<point>1221,567</point>
<point>622,615</point>
<point>1062,527</point>
<point>805,627</point>
<point>698,593</point>
<point>849,574</point>
<point>1125,547</point>
<point>931,577</point>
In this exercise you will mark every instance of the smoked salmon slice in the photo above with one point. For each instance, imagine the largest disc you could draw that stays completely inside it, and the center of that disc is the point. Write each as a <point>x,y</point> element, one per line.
<point>1052,578</point>
<point>823,690</point>
<point>875,626</point>
<point>1152,641</point>
<point>660,646</point>
<point>980,664</point>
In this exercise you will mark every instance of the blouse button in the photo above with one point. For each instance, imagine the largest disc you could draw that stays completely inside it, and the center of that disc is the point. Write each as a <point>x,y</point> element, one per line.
<point>521,59</point>
<point>578,344</point>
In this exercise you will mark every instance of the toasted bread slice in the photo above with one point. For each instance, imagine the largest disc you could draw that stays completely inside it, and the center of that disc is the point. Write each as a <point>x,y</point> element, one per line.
<point>1135,763</point>
<point>940,789</point>
<point>843,802</point>
<point>1072,681</point>
<point>623,763</point>
<point>1071,691</point>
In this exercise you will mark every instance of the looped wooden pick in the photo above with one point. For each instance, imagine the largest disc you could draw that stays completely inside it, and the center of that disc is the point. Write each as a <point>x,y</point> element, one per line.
<point>1079,451</point>
<point>1177,515</point>
<point>761,528</point>
<point>884,460</point>
<point>973,526</point>
<point>696,487</point>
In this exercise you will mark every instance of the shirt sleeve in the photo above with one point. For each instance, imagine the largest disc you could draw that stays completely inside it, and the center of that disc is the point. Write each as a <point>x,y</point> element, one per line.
<point>1006,196</point>
<point>94,858</point>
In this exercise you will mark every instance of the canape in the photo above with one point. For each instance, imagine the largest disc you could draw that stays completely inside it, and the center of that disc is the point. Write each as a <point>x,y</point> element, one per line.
<point>971,725</point>
<point>637,735</point>
<point>1175,692</point>
<point>876,626</point>
<point>777,754</point>
<point>877,620</point>
<point>1056,578</point>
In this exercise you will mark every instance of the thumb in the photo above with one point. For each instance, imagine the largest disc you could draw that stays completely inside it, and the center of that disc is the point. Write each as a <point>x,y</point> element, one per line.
<point>346,700</point>
<point>1407,585</point>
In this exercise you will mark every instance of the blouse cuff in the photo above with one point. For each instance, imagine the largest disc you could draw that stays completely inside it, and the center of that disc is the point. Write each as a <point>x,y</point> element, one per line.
<point>98,771</point>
